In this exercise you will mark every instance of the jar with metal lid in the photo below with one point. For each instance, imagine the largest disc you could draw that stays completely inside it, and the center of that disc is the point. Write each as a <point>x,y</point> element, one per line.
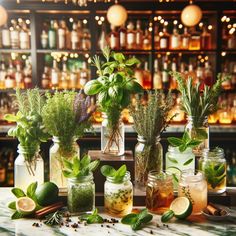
<point>118,196</point>
<point>159,192</point>
<point>213,165</point>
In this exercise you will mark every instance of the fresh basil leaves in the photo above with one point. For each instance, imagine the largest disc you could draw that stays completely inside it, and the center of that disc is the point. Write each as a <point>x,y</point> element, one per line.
<point>116,175</point>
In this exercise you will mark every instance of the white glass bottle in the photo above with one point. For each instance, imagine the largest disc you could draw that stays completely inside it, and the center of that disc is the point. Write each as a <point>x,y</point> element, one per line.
<point>139,35</point>
<point>6,39</point>
<point>157,79</point>
<point>55,75</point>
<point>131,39</point>
<point>24,37</point>
<point>175,40</point>
<point>74,37</point>
<point>61,35</point>
<point>14,33</point>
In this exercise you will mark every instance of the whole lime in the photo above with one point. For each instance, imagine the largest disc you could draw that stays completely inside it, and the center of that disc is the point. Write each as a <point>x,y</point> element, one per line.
<point>47,193</point>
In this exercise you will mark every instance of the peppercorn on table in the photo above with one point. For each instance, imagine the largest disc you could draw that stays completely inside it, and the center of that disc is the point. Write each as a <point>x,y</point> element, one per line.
<point>197,225</point>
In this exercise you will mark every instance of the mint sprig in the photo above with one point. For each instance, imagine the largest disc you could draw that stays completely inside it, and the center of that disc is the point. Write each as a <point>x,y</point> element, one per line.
<point>137,221</point>
<point>116,175</point>
<point>184,142</point>
<point>92,218</point>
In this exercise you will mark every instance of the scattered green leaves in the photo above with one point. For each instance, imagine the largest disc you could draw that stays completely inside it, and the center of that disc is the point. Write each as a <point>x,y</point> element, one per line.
<point>53,219</point>
<point>116,175</point>
<point>92,218</point>
<point>18,192</point>
<point>137,221</point>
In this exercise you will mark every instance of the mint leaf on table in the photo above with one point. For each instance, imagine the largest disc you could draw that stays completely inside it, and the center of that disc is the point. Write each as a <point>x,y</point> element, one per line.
<point>18,192</point>
<point>129,219</point>
<point>12,205</point>
<point>92,218</point>
<point>17,215</point>
<point>117,175</point>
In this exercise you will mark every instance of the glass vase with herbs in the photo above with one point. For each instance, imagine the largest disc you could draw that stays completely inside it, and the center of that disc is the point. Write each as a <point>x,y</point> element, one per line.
<point>66,116</point>
<point>118,191</point>
<point>180,156</point>
<point>30,132</point>
<point>198,105</point>
<point>150,120</point>
<point>113,87</point>
<point>81,187</point>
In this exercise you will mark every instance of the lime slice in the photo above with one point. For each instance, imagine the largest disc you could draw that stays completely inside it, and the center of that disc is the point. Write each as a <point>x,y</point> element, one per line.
<point>182,207</point>
<point>167,216</point>
<point>25,205</point>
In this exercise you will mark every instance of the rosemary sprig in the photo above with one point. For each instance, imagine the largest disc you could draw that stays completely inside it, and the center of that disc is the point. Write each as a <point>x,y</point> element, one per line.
<point>53,218</point>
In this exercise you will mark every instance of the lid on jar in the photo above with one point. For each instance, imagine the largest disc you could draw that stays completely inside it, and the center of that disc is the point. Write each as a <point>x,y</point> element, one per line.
<point>191,175</point>
<point>113,179</point>
<point>216,152</point>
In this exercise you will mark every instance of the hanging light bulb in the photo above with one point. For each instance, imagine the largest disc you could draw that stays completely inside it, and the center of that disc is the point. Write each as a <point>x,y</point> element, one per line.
<point>117,15</point>
<point>191,15</point>
<point>3,15</point>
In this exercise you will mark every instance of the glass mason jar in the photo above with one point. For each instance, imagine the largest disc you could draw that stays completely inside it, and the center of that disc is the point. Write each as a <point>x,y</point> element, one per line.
<point>118,196</point>
<point>159,192</point>
<point>81,194</point>
<point>213,165</point>
<point>28,167</point>
<point>57,153</point>
<point>193,186</point>
<point>148,157</point>
<point>177,161</point>
<point>112,140</point>
<point>199,130</point>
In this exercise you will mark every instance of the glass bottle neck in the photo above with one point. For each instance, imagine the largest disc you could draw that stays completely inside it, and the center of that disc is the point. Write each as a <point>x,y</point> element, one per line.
<point>142,139</point>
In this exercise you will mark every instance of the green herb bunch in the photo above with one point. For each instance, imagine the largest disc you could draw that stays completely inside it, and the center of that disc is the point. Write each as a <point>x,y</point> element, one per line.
<point>137,221</point>
<point>79,168</point>
<point>151,118</point>
<point>66,115</point>
<point>29,129</point>
<point>196,103</point>
<point>116,175</point>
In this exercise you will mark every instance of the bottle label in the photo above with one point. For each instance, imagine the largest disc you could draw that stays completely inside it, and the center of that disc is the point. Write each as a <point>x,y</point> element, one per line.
<point>9,83</point>
<point>24,40</point>
<point>113,42</point>
<point>51,39</point>
<point>163,43</point>
<point>74,37</point>
<point>61,38</point>
<point>18,77</point>
<point>14,38</point>
<point>165,77</point>
<point>6,41</point>
<point>55,78</point>
<point>130,38</point>
<point>139,39</point>
<point>174,42</point>
<point>122,39</point>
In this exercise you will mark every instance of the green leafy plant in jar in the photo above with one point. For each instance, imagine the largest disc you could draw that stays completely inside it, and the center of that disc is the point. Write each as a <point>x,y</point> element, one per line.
<point>30,132</point>
<point>81,188</point>
<point>66,116</point>
<point>113,87</point>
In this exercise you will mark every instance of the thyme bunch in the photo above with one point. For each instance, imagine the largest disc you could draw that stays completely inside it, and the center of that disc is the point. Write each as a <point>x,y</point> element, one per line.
<point>196,103</point>
<point>151,119</point>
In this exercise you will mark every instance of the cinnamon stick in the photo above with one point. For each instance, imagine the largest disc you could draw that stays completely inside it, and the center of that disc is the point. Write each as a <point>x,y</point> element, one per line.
<point>212,210</point>
<point>48,209</point>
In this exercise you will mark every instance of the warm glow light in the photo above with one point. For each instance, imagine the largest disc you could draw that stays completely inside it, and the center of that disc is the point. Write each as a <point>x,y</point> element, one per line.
<point>200,24</point>
<point>175,22</point>
<point>27,21</point>
<point>117,15</point>
<point>229,26</point>
<point>71,20</point>
<point>3,16</point>
<point>180,26</point>
<point>100,22</point>
<point>97,18</point>
<point>223,18</point>
<point>199,57</point>
<point>150,29</point>
<point>159,17</point>
<point>227,19</point>
<point>210,27</point>
<point>234,25</point>
<point>166,23</point>
<point>232,30</point>
<point>162,21</point>
<point>206,58</point>
<point>102,18</point>
<point>155,18</point>
<point>191,15</point>
<point>85,21</point>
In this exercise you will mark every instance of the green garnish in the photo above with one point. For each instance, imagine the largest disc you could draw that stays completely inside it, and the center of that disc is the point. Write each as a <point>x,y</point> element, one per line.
<point>137,221</point>
<point>116,175</point>
<point>79,168</point>
<point>184,142</point>
<point>53,219</point>
<point>92,218</point>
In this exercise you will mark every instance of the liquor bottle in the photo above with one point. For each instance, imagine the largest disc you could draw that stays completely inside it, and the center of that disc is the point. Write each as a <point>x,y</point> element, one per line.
<point>138,74</point>
<point>55,75</point>
<point>52,36</point>
<point>10,169</point>
<point>44,39</point>
<point>231,43</point>
<point>156,37</point>
<point>73,78</point>
<point>3,74</point>
<point>74,37</point>
<point>175,40</point>
<point>205,39</point>
<point>164,39</point>
<point>165,76</point>
<point>10,77</point>
<point>19,77</point>
<point>64,82</point>
<point>191,73</point>
<point>114,39</point>
<point>14,34</point>
<point>6,39</point>
<point>173,82</point>
<point>80,32</point>
<point>200,75</point>
<point>102,41</point>
<point>46,82</point>
<point>131,39</point>
<point>24,37</point>
<point>61,35</point>
<point>27,75</point>
<point>185,39</point>
<point>157,80</point>
<point>147,77</point>
<point>194,43</point>
<point>122,37</point>
<point>208,74</point>
<point>227,83</point>
<point>139,36</point>
<point>84,75</point>
<point>86,40</point>
<point>233,110</point>
<point>147,45</point>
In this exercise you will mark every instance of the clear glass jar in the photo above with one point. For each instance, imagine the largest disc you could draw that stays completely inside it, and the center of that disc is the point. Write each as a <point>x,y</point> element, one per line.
<point>159,192</point>
<point>112,140</point>
<point>56,154</point>
<point>193,186</point>
<point>81,195</point>
<point>118,196</point>
<point>177,161</point>
<point>28,167</point>
<point>213,165</point>
<point>148,157</point>
<point>199,130</point>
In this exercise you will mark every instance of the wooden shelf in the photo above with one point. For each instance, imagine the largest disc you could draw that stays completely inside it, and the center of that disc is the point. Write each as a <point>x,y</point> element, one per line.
<point>9,50</point>
<point>62,51</point>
